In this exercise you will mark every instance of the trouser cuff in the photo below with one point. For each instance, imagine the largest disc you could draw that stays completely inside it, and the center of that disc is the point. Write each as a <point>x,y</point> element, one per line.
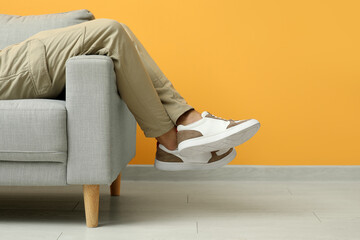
<point>158,131</point>
<point>175,114</point>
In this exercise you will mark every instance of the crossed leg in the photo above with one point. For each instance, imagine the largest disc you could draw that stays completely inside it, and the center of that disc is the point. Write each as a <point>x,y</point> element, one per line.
<point>150,96</point>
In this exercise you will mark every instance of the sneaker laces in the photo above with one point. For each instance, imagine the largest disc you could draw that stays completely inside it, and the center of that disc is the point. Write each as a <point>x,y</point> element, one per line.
<point>221,118</point>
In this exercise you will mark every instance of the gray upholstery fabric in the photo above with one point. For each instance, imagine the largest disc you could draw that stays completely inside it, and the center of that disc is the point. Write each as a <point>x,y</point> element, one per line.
<point>33,130</point>
<point>101,129</point>
<point>15,28</point>
<point>32,174</point>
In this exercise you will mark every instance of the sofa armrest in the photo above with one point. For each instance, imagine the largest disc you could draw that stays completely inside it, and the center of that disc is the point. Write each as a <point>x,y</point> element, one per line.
<point>101,129</point>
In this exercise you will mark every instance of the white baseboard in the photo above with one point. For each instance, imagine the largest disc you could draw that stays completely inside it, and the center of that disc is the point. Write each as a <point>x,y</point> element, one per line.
<point>246,173</point>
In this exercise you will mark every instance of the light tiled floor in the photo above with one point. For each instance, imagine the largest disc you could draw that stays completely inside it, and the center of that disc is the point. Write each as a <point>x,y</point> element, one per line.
<point>187,210</point>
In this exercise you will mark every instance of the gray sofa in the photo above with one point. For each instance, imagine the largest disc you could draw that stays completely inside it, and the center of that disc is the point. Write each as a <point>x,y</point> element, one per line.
<point>85,136</point>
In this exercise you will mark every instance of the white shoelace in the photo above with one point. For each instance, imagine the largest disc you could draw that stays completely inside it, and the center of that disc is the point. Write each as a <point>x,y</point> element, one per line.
<point>220,118</point>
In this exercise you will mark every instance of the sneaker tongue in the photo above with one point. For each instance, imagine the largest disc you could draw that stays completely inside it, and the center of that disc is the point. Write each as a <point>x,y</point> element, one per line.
<point>204,113</point>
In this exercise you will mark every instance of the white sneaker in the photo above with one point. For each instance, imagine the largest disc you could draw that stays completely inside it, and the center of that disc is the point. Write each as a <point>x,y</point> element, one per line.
<point>171,160</point>
<point>212,133</point>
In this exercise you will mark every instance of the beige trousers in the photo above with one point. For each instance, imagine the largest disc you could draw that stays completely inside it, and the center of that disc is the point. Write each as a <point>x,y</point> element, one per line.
<point>35,68</point>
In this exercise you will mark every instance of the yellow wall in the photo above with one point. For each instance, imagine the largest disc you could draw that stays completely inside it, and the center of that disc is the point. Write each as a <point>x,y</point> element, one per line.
<point>293,65</point>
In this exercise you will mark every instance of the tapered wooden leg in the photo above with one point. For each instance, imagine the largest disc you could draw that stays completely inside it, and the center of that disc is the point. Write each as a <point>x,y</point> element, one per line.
<point>115,186</point>
<point>91,202</point>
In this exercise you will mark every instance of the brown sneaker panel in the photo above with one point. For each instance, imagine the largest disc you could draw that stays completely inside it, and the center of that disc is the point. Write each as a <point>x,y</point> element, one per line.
<point>215,157</point>
<point>187,134</point>
<point>233,123</point>
<point>163,156</point>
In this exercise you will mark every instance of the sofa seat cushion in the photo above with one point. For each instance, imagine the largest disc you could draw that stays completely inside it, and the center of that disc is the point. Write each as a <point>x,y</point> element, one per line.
<point>33,130</point>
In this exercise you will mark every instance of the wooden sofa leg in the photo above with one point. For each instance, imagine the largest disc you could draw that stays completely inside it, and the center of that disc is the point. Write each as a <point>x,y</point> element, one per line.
<point>115,186</point>
<point>91,202</point>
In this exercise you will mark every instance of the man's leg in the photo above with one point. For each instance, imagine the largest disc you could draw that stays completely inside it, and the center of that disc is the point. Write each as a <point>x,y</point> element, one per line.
<point>128,53</point>
<point>140,82</point>
<point>173,102</point>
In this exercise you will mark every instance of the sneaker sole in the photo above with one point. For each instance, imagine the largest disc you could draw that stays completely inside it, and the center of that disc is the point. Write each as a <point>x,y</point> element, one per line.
<point>232,137</point>
<point>167,166</point>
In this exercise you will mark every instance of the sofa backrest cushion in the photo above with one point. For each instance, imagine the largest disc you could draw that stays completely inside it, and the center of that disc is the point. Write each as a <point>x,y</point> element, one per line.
<point>15,28</point>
